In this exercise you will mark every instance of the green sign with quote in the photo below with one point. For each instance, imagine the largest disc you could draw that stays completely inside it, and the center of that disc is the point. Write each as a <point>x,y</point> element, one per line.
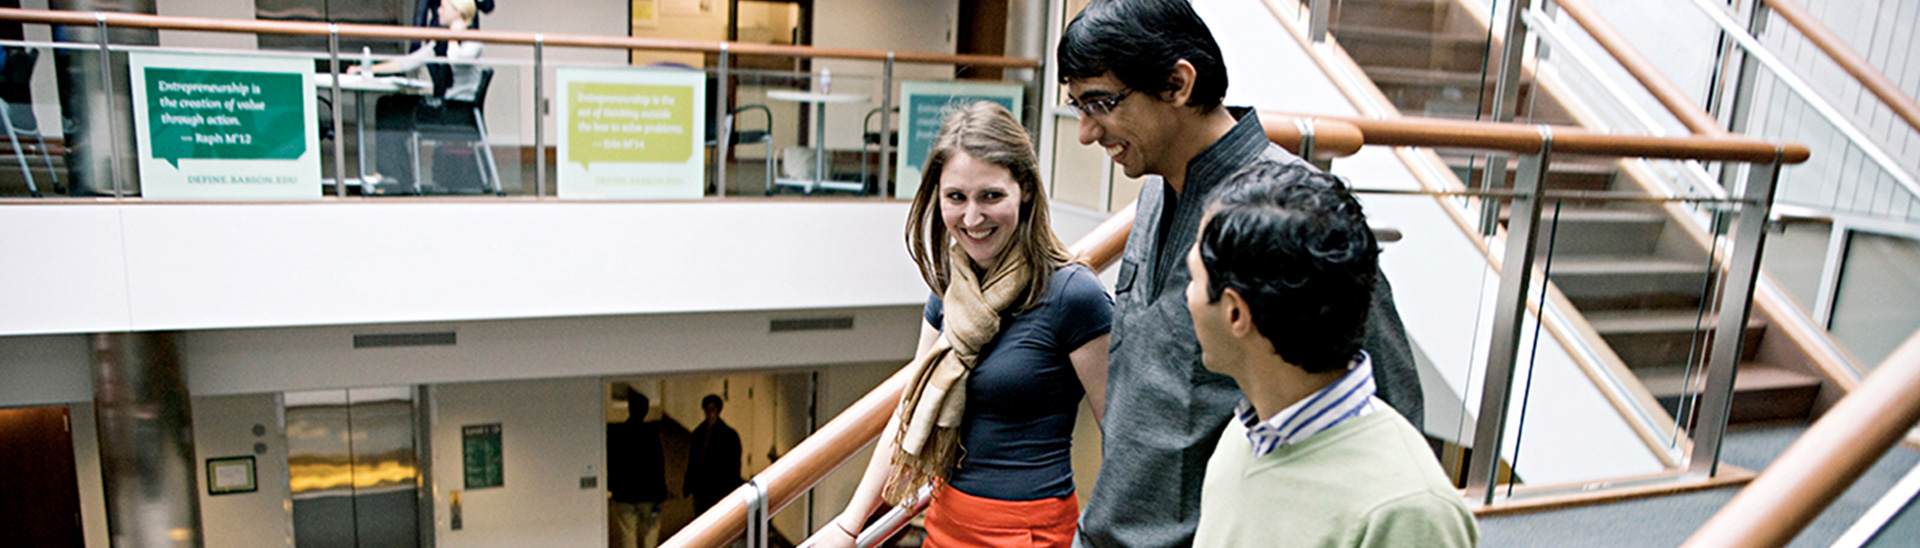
<point>223,127</point>
<point>924,106</point>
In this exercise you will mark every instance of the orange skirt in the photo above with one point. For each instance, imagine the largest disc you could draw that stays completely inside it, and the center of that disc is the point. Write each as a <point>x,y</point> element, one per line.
<point>957,519</point>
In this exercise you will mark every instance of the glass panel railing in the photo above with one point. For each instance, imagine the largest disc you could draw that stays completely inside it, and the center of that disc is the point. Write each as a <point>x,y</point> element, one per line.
<point>33,163</point>
<point>1430,57</point>
<point>789,130</point>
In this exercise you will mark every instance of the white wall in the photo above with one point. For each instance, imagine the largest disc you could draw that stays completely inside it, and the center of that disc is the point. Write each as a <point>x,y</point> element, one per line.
<point>840,387</point>
<point>44,370</point>
<point>899,25</point>
<point>156,266</point>
<point>244,361</point>
<point>552,435</point>
<point>218,9</point>
<point>224,426</point>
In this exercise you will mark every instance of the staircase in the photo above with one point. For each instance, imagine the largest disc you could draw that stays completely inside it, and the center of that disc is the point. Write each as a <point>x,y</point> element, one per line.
<point>1632,270</point>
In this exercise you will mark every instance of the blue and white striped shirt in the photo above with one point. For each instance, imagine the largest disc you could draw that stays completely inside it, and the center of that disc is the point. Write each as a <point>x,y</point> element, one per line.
<point>1350,397</point>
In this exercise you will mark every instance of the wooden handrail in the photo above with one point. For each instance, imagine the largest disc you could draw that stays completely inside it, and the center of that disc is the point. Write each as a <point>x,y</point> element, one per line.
<point>854,428</point>
<point>255,26</point>
<point>1331,138</point>
<point>1828,458</point>
<point>857,426</point>
<point>1837,49</point>
<point>1525,138</point>
<point>1669,95</point>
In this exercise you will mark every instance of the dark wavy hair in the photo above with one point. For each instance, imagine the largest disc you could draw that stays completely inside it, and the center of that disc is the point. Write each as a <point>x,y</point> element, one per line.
<point>1139,41</point>
<point>1295,245</point>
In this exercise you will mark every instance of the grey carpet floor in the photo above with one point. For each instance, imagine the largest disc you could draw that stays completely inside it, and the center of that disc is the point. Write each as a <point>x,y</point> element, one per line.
<point>1668,521</point>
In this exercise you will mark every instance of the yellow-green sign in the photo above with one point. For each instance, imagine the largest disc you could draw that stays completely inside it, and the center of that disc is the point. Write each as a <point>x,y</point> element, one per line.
<point>629,123</point>
<point>636,133</point>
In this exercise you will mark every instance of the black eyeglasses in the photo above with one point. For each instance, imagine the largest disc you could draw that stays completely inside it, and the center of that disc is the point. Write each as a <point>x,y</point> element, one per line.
<point>1101,106</point>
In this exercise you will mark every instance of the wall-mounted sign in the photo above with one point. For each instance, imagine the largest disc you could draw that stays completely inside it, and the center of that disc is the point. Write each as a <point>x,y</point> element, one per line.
<point>481,460</point>
<point>636,133</point>
<point>225,127</point>
<point>923,105</point>
<point>230,475</point>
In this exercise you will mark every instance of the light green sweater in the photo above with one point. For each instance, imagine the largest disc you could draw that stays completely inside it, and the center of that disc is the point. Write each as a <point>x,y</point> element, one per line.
<point>1371,481</point>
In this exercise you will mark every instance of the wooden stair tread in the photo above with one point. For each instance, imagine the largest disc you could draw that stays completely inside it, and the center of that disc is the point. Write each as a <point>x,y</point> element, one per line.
<point>1611,322</point>
<point>1595,215</point>
<point>1612,264</point>
<point>1421,77</point>
<point>1753,377</point>
<point>1582,165</point>
<point>1377,33</point>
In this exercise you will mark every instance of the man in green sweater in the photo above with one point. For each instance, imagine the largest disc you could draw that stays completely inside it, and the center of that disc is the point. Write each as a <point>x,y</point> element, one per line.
<point>1282,278</point>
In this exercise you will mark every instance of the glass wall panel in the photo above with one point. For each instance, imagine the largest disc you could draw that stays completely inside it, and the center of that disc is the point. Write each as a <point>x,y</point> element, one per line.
<point>1877,305</point>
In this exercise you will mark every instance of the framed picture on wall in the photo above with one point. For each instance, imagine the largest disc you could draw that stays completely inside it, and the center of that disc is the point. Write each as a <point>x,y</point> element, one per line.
<point>229,475</point>
<point>646,14</point>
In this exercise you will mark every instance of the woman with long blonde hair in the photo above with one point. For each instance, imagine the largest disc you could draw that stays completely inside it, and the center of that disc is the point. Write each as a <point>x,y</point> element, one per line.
<point>1015,335</point>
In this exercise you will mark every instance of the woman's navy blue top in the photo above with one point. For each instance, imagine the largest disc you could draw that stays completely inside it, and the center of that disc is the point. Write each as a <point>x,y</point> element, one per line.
<point>1017,438</point>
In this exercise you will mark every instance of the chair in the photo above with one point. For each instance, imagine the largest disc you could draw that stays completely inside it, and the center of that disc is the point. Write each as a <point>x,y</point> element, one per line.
<point>734,136</point>
<point>453,121</point>
<point>16,113</point>
<point>870,140</point>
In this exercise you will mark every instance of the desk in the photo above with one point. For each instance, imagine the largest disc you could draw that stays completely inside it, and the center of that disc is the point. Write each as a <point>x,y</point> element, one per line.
<point>820,167</point>
<point>361,85</point>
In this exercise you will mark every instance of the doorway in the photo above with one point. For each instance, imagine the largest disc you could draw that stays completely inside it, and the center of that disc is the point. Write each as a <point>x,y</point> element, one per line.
<point>353,463</point>
<point>39,493</point>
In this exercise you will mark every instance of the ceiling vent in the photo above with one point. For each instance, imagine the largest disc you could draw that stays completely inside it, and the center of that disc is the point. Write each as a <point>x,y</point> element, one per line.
<point>811,324</point>
<point>390,340</point>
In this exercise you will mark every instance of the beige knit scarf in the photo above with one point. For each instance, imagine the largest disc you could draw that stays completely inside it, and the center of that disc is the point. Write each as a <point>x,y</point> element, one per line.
<point>931,409</point>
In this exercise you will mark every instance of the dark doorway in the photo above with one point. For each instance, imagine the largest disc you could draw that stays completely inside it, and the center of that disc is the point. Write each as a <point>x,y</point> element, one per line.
<point>983,31</point>
<point>39,496</point>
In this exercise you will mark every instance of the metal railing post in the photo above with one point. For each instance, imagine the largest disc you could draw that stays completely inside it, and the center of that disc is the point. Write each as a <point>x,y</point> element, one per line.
<point>339,137</point>
<point>1516,271</point>
<point>113,130</point>
<point>722,104</point>
<point>539,116</point>
<point>1506,98</point>
<point>1740,106</point>
<point>1319,15</point>
<point>1736,302</point>
<point>883,187</point>
<point>756,514</point>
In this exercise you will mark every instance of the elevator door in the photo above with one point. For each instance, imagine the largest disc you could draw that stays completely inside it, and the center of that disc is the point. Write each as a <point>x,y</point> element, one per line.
<point>351,460</point>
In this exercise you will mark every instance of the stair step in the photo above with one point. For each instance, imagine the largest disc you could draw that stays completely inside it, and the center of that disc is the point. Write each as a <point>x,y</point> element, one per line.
<point>1404,76</point>
<point>1655,321</point>
<point>1424,15</point>
<point>1593,231</point>
<point>1373,47</point>
<point>1572,175</point>
<point>1623,265</point>
<point>1658,339</point>
<point>1761,392</point>
<point>1624,277</point>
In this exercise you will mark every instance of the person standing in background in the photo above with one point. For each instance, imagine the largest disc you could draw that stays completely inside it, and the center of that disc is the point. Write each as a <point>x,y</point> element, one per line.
<point>713,458</point>
<point>636,473</point>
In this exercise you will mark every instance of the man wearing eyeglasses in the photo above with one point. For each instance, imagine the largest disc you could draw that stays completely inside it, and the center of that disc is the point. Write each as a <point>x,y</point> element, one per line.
<point>1147,79</point>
